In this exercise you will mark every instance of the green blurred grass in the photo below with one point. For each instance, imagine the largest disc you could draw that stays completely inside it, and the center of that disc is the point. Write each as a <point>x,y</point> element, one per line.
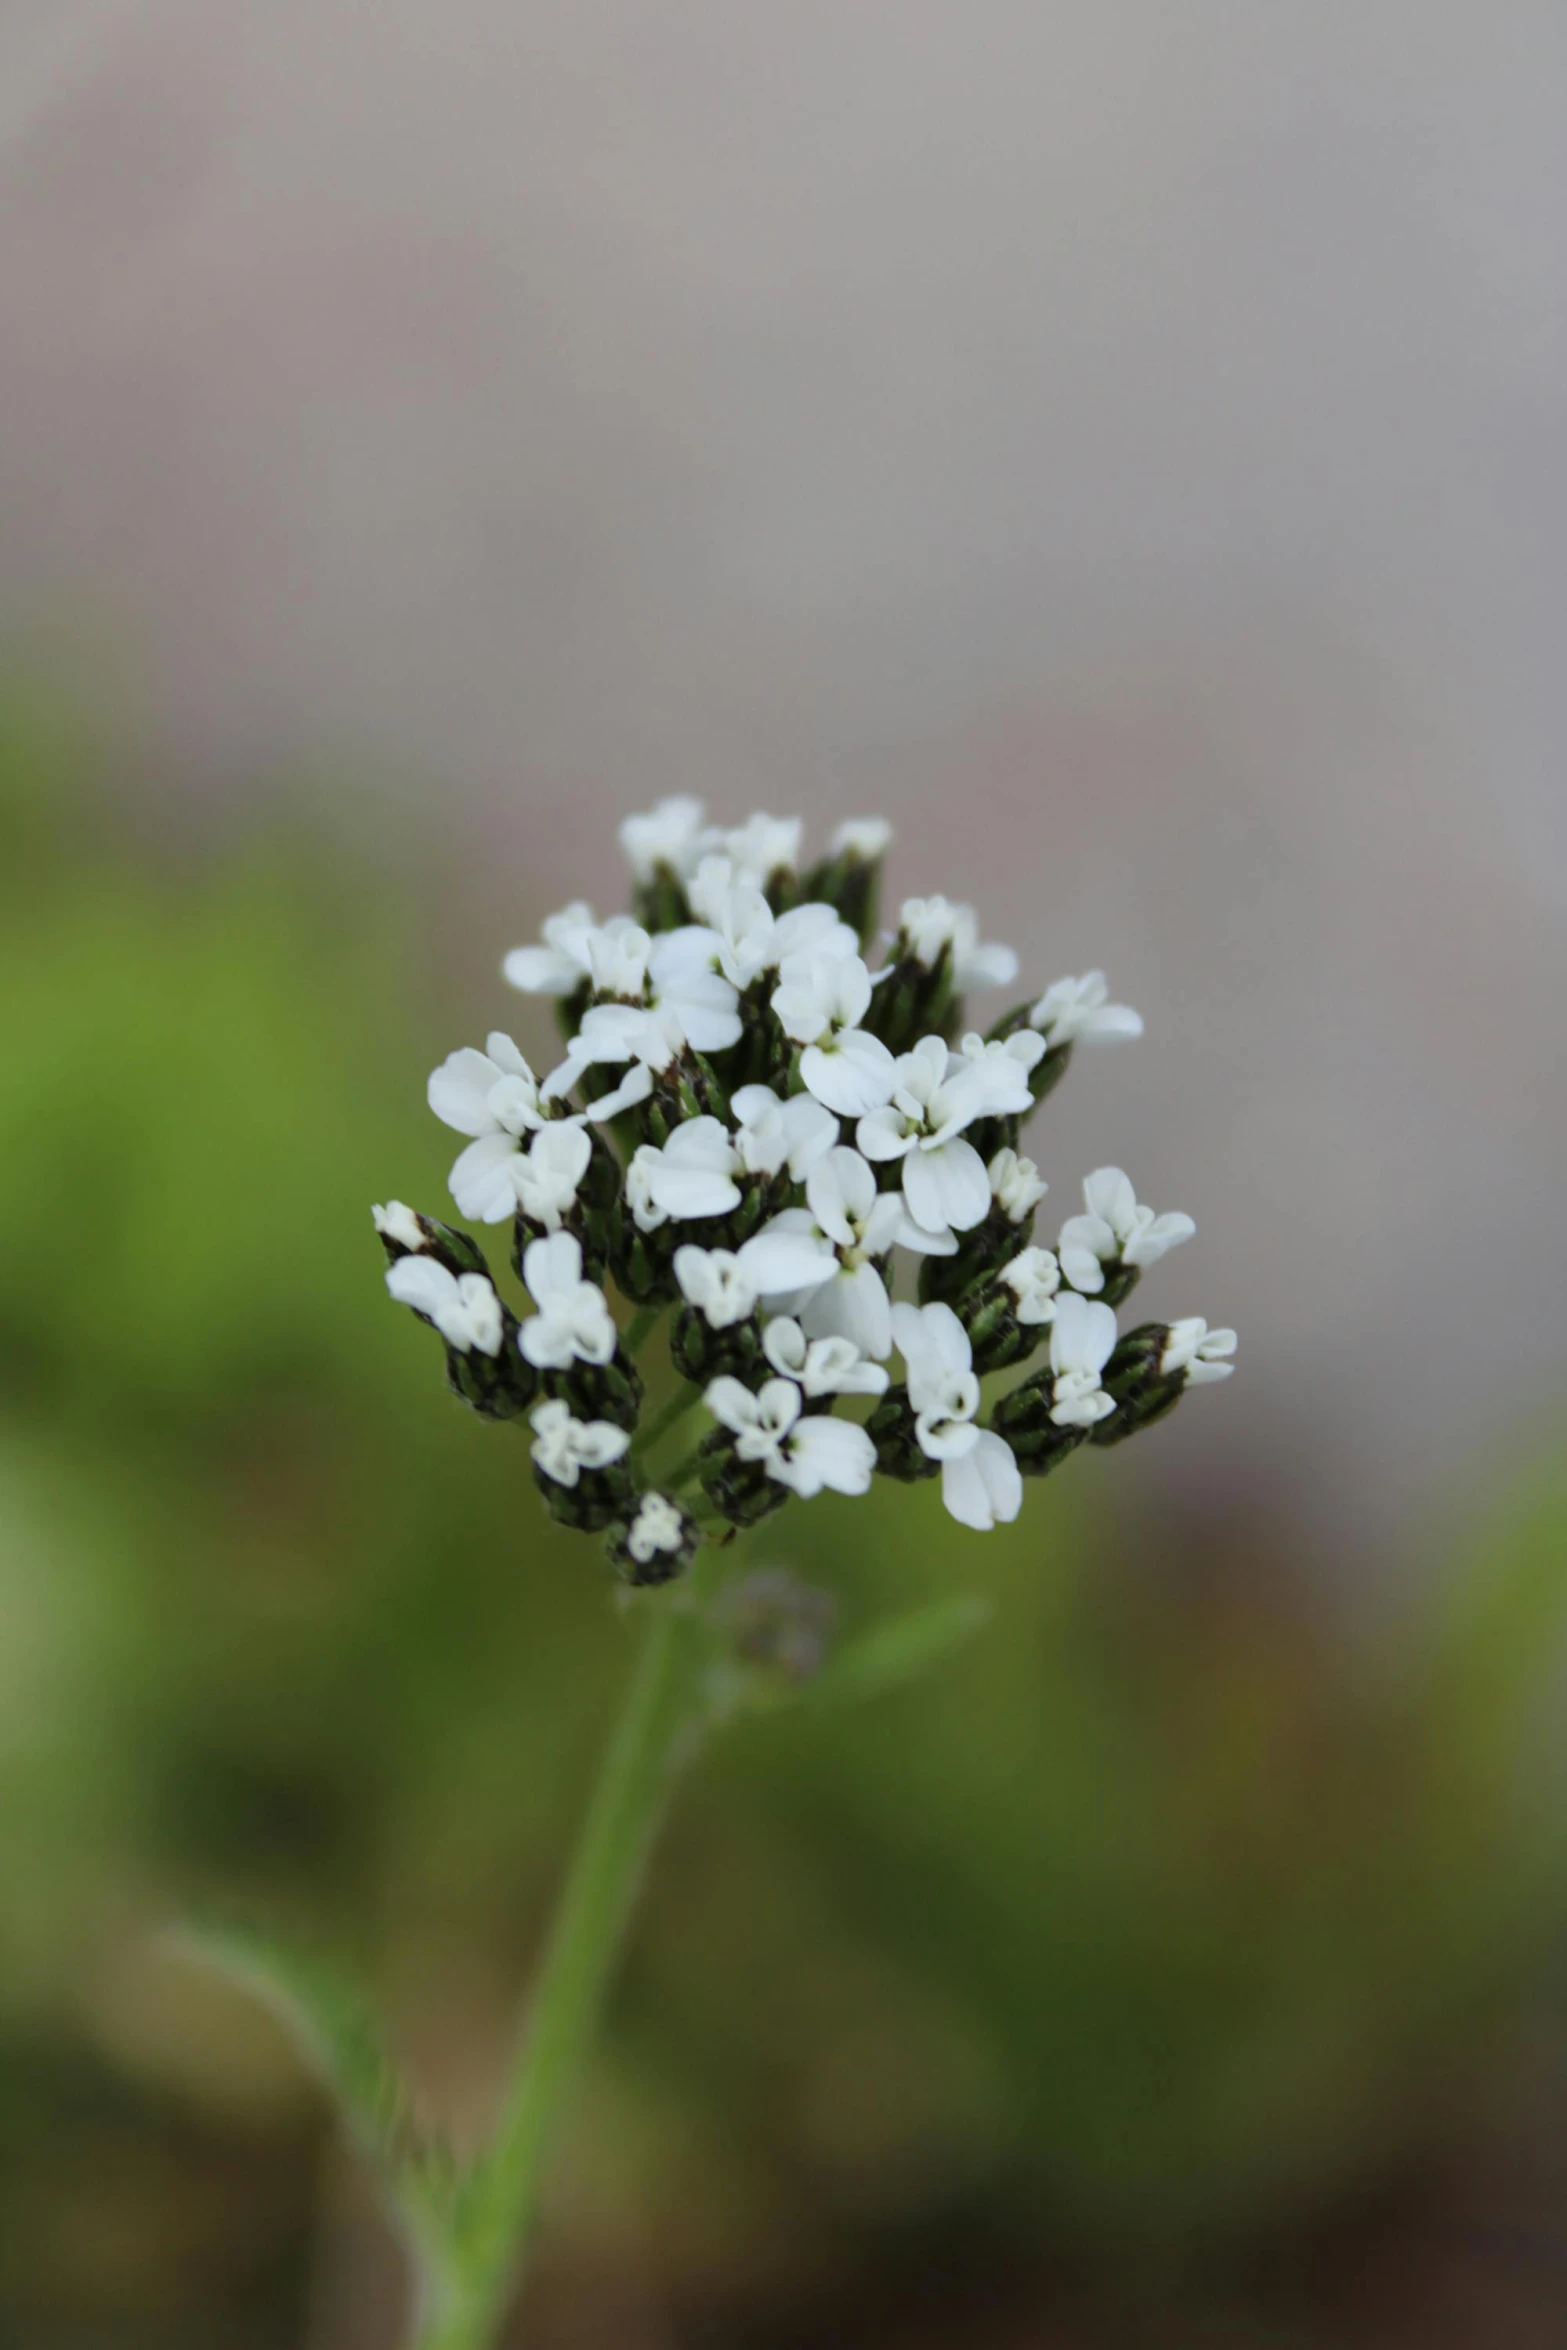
<point>1158,1920</point>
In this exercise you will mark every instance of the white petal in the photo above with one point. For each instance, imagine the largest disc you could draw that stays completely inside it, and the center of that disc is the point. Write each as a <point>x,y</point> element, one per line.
<point>459,1092</point>
<point>542,971</point>
<point>780,1262</point>
<point>947,1186</point>
<point>984,1486</point>
<point>854,1306</point>
<point>599,1442</point>
<point>731,1404</point>
<point>855,1075</point>
<point>685,1192</point>
<point>551,1265</point>
<point>634,1087</point>
<point>882,1134</point>
<point>421,1283</point>
<point>1108,1194</point>
<point>482,1181</point>
<point>827,1454</point>
<point>987,966</point>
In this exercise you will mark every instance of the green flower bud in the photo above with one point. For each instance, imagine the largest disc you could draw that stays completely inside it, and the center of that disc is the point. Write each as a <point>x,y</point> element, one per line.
<point>657,1544</point>
<point>891,1429</point>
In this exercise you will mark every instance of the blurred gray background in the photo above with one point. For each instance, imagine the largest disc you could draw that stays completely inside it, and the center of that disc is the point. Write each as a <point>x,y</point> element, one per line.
<point>1121,442</point>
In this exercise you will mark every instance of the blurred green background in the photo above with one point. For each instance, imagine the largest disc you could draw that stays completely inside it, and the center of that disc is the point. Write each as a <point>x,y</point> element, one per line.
<point>1181,1962</point>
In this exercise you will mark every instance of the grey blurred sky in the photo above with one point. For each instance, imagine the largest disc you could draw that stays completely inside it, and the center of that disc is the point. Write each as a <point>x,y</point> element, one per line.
<point>1125,443</point>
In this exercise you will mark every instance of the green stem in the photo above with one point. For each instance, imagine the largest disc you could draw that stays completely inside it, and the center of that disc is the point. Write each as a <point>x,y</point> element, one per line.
<point>640,1329</point>
<point>668,1416</point>
<point>499,2204</point>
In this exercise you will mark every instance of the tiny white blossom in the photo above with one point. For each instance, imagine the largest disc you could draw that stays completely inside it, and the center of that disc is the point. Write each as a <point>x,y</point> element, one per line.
<point>1115,1230</point>
<point>936,1095</point>
<point>752,938</point>
<point>866,837</point>
<point>573,1322</point>
<point>808,1455</point>
<point>1198,1351</point>
<point>690,1177</point>
<point>771,1134</point>
<point>548,1175</point>
<point>763,845</point>
<point>820,1001</point>
<point>981,1483</point>
<point>563,1447</point>
<point>1078,1011</point>
<point>853,1224</point>
<point>658,1528</point>
<point>667,835</point>
<point>1033,1277</point>
<point>495,1097</point>
<point>463,1307</point>
<point>821,1366</point>
<point>1023,1049</point>
<point>400,1225</point>
<point>725,1284</point>
<point>1015,1184</point>
<point>1082,1340</point>
<point>930,925</point>
<point>563,962</point>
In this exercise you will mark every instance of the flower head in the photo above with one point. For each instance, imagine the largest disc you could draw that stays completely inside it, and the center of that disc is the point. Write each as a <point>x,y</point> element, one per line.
<point>768,1116</point>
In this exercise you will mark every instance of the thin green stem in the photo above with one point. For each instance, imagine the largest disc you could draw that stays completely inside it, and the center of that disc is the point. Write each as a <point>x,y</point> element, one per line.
<point>640,1329</point>
<point>668,1416</point>
<point>468,2299</point>
<point>687,1469</point>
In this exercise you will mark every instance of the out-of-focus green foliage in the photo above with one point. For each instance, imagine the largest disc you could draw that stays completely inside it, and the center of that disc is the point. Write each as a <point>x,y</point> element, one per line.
<point>1148,1920</point>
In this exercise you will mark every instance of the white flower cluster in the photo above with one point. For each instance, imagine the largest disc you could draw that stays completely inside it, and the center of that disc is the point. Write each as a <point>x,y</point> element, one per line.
<point>767,1116</point>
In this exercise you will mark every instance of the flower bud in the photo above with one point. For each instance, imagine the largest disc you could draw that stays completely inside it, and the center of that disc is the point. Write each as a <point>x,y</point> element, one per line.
<point>701,1353</point>
<point>1153,1366</point>
<point>849,879</point>
<point>405,1233</point>
<point>741,1490</point>
<point>891,1428</point>
<point>1023,1418</point>
<point>657,1544</point>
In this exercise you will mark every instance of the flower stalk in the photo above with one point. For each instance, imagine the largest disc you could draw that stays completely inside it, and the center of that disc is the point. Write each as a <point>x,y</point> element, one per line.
<point>468,2295</point>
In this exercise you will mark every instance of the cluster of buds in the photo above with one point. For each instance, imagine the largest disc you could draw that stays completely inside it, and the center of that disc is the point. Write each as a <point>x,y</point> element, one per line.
<point>761,1132</point>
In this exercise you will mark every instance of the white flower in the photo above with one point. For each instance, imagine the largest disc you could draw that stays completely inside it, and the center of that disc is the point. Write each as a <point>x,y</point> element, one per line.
<point>1077,1011</point>
<point>1115,1230</point>
<point>1082,1340</point>
<point>659,1526</point>
<point>724,1285</point>
<point>573,1322</point>
<point>400,1225</point>
<point>930,925</point>
<point>1033,1277</point>
<point>547,1177</point>
<point>1015,1185</point>
<point>820,1001</point>
<point>936,1094</point>
<point>866,837</point>
<point>495,1097</point>
<point>762,846</point>
<point>462,1306</point>
<point>1198,1351</point>
<point>852,1224</point>
<point>821,1366</point>
<point>773,1134</point>
<point>692,1176</point>
<point>668,835</point>
<point>981,1483</point>
<point>561,964</point>
<point>808,1455</point>
<point>754,939</point>
<point>564,1447</point>
<point>1007,1059</point>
